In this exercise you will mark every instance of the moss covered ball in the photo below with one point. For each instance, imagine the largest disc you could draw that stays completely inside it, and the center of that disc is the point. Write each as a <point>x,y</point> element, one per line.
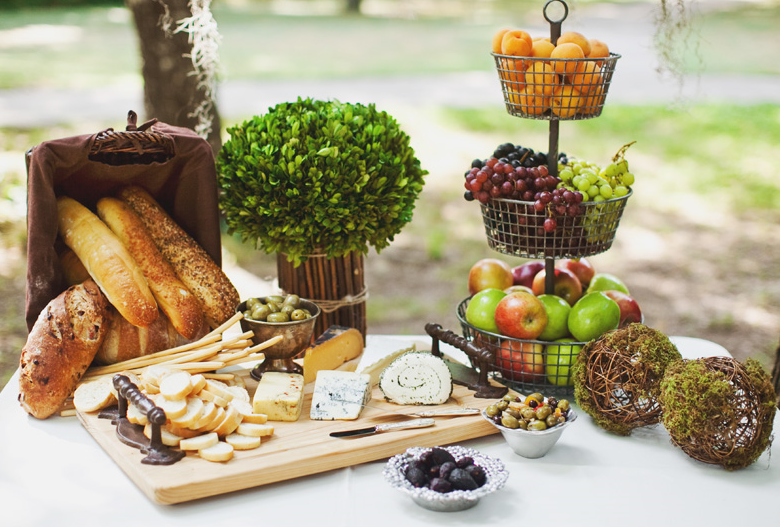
<point>617,377</point>
<point>718,410</point>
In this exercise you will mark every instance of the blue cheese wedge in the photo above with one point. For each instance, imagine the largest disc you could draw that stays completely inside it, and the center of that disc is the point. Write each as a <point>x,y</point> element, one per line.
<point>279,396</point>
<point>339,395</point>
<point>416,377</point>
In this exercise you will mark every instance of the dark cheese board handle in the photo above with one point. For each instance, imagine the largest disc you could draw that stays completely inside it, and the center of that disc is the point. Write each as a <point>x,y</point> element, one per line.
<point>482,358</point>
<point>132,434</point>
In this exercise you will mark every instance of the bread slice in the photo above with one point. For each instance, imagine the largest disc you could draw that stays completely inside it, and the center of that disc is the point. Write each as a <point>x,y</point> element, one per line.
<point>94,395</point>
<point>193,413</point>
<point>242,442</point>
<point>200,442</point>
<point>176,386</point>
<point>255,430</point>
<point>219,452</point>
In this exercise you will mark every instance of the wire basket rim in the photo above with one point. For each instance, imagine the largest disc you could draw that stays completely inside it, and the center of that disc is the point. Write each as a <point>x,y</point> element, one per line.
<point>612,57</point>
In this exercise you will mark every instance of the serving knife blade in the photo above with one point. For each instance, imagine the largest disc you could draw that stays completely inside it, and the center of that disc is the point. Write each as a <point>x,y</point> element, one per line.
<point>385,427</point>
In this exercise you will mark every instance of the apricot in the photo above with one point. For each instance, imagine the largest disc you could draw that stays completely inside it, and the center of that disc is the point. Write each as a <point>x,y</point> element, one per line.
<point>565,101</point>
<point>587,77</point>
<point>575,38</point>
<point>497,36</point>
<point>542,49</point>
<point>517,43</point>
<point>591,103</point>
<point>541,78</point>
<point>531,103</point>
<point>512,71</point>
<point>598,49</point>
<point>567,50</point>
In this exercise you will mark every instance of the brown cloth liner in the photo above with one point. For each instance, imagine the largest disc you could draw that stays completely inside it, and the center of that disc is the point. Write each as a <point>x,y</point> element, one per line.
<point>185,186</point>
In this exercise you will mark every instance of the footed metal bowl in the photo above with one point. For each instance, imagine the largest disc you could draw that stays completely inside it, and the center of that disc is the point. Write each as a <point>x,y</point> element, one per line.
<point>456,500</point>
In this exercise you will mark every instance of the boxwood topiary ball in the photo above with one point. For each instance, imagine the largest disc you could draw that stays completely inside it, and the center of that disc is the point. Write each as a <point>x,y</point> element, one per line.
<point>718,410</point>
<point>617,377</point>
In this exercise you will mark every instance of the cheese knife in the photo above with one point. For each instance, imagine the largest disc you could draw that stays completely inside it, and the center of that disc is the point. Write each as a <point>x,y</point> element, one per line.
<point>385,427</point>
<point>442,412</point>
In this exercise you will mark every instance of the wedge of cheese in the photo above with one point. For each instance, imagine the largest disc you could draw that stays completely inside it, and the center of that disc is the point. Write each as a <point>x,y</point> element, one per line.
<point>339,395</point>
<point>330,350</point>
<point>279,396</point>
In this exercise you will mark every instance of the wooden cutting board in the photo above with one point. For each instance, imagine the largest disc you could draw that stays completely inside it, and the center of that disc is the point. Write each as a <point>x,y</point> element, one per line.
<point>296,449</point>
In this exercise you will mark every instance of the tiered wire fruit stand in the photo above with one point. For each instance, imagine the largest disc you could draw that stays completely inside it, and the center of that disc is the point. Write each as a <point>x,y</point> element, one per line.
<point>514,227</point>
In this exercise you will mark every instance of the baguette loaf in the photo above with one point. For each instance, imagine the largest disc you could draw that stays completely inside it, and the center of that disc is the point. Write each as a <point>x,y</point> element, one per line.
<point>108,262</point>
<point>217,295</point>
<point>172,296</point>
<point>125,341</point>
<point>72,268</point>
<point>60,348</point>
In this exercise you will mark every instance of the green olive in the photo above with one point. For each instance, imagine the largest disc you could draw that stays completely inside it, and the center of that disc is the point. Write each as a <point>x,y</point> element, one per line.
<point>274,307</point>
<point>308,313</point>
<point>260,312</point>
<point>555,420</point>
<point>278,317</point>
<point>502,405</point>
<point>542,412</point>
<point>492,410</point>
<point>538,396</point>
<point>252,302</point>
<point>292,300</point>
<point>523,424</point>
<point>276,299</point>
<point>564,405</point>
<point>247,314</point>
<point>513,412</point>
<point>509,421</point>
<point>298,314</point>
<point>528,414</point>
<point>286,308</point>
<point>537,425</point>
<point>509,398</point>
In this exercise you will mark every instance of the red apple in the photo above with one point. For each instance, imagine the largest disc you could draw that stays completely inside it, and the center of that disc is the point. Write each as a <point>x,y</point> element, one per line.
<point>489,273</point>
<point>629,308</point>
<point>524,274</point>
<point>581,268</point>
<point>521,361</point>
<point>521,315</point>
<point>566,285</point>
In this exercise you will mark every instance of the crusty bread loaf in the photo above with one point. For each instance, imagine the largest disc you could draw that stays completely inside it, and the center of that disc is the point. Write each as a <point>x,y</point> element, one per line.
<point>172,296</point>
<point>217,295</point>
<point>72,268</point>
<point>125,341</point>
<point>60,348</point>
<point>108,261</point>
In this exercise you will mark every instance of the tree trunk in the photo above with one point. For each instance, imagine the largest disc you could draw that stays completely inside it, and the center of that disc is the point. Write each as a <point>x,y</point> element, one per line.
<point>353,6</point>
<point>170,91</point>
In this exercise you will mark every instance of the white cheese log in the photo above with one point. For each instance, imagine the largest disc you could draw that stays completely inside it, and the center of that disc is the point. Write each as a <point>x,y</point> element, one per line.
<point>416,377</point>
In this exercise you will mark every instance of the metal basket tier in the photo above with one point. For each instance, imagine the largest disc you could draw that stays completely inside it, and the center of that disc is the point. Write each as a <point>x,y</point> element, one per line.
<point>525,365</point>
<point>532,89</point>
<point>515,228</point>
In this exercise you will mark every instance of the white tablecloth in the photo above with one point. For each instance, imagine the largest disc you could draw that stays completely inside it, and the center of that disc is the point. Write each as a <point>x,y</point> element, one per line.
<point>52,473</point>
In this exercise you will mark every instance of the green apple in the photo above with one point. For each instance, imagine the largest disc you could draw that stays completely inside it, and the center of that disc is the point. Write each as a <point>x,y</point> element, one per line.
<point>560,355</point>
<point>557,317</point>
<point>481,311</point>
<point>606,282</point>
<point>592,315</point>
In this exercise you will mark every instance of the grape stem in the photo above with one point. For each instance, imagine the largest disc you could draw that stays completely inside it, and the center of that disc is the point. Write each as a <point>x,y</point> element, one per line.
<point>622,152</point>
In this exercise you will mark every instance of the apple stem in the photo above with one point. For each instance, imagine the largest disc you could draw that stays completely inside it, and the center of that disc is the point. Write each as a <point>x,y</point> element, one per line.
<point>549,276</point>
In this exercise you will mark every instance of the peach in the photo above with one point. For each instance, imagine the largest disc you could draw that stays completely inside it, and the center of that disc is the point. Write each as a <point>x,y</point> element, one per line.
<point>517,43</point>
<point>587,77</point>
<point>541,78</point>
<point>567,50</point>
<point>531,103</point>
<point>598,49</point>
<point>497,36</point>
<point>542,49</point>
<point>565,101</point>
<point>575,38</point>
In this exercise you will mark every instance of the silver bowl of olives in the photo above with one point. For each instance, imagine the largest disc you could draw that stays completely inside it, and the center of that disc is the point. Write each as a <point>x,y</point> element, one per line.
<point>290,316</point>
<point>470,475</point>
<point>530,425</point>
